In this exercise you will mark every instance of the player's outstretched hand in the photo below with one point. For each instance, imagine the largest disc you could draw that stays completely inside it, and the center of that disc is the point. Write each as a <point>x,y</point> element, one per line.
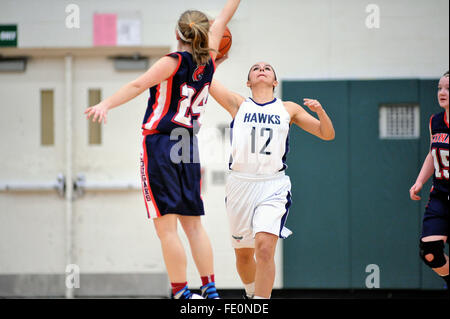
<point>98,112</point>
<point>313,105</point>
<point>414,190</point>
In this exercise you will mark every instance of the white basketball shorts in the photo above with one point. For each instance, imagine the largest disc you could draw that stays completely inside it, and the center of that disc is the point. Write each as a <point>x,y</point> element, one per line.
<point>257,204</point>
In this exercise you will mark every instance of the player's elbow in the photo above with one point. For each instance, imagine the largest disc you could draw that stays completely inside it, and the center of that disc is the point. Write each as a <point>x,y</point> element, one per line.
<point>328,137</point>
<point>137,85</point>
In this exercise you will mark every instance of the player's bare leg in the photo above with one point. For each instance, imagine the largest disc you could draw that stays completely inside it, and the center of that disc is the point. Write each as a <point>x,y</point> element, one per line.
<point>202,253</point>
<point>172,248</point>
<point>200,244</point>
<point>246,268</point>
<point>265,245</point>
<point>246,264</point>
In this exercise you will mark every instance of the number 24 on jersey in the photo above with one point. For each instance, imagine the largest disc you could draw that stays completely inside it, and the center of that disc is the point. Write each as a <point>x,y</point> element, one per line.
<point>188,108</point>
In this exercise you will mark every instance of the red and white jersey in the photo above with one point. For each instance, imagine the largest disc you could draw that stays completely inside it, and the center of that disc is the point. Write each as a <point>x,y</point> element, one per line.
<point>180,100</point>
<point>440,152</point>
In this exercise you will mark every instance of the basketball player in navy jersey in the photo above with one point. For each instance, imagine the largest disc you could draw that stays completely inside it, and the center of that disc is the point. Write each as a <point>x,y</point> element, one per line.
<point>179,87</point>
<point>436,218</point>
<point>258,193</point>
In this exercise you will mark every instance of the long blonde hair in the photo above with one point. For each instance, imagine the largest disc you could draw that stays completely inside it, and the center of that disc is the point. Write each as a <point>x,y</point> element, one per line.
<point>193,28</point>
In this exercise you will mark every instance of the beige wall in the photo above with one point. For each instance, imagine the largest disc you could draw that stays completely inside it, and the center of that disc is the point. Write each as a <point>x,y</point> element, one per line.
<point>301,39</point>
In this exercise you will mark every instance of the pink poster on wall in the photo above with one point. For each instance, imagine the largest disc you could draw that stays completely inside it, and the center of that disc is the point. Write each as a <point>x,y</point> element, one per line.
<point>105,29</point>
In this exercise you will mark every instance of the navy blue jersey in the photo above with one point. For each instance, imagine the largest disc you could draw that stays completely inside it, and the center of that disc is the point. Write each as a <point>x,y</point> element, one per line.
<point>439,150</point>
<point>180,100</point>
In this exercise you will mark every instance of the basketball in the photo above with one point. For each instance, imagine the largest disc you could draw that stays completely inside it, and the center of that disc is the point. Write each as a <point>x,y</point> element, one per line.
<point>225,44</point>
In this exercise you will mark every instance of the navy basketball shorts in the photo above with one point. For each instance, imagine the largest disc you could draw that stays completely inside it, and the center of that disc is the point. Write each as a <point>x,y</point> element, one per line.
<point>436,218</point>
<point>170,176</point>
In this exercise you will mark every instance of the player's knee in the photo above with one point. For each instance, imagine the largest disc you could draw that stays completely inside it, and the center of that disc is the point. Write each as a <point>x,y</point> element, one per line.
<point>163,231</point>
<point>432,253</point>
<point>264,252</point>
<point>244,256</point>
<point>192,228</point>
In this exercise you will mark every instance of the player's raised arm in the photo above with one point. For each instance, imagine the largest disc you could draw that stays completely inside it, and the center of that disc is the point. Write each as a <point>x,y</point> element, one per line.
<point>322,127</point>
<point>219,25</point>
<point>157,73</point>
<point>229,100</point>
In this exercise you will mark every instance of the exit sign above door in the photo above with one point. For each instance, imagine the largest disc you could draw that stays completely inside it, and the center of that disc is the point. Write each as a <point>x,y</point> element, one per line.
<point>8,35</point>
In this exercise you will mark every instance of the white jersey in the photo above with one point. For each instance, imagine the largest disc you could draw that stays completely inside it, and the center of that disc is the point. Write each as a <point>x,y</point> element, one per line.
<point>260,138</point>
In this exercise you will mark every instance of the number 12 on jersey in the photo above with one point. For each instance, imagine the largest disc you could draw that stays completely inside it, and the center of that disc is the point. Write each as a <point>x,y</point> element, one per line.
<point>262,134</point>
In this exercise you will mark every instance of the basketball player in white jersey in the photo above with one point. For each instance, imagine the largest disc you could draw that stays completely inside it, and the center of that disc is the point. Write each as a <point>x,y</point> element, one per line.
<point>258,193</point>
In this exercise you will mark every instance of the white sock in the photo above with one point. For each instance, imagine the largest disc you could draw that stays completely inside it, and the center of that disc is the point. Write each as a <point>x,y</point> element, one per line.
<point>258,297</point>
<point>250,289</point>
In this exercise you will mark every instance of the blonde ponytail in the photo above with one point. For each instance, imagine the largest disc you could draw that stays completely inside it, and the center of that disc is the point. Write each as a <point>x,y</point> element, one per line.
<point>193,28</point>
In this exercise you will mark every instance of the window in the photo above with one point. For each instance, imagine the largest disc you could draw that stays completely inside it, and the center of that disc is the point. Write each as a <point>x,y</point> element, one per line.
<point>399,121</point>
<point>95,128</point>
<point>47,118</point>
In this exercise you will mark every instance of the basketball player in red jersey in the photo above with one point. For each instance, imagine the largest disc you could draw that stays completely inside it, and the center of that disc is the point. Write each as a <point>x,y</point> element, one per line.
<point>435,222</point>
<point>179,86</point>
